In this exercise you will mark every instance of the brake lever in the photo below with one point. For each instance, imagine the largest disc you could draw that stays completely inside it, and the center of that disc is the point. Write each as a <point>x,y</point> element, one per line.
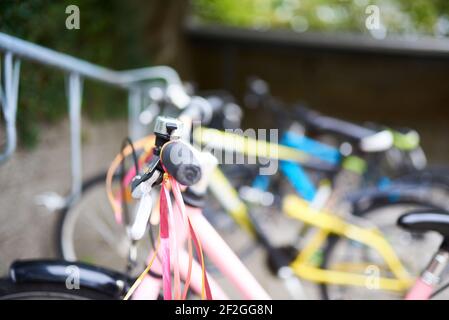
<point>150,170</point>
<point>140,223</point>
<point>141,185</point>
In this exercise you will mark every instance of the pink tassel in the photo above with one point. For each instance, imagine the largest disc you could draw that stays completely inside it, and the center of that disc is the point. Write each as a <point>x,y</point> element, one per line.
<point>165,243</point>
<point>166,274</point>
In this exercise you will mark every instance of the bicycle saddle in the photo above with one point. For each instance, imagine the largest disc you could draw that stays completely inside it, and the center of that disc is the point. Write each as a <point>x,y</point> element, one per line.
<point>367,139</point>
<point>426,220</point>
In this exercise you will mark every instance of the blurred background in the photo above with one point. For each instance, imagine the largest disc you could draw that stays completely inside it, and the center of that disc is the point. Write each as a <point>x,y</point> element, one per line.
<point>319,52</point>
<point>316,51</point>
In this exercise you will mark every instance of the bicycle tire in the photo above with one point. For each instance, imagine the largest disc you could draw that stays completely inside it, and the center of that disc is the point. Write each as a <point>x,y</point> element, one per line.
<point>63,213</point>
<point>67,228</point>
<point>434,175</point>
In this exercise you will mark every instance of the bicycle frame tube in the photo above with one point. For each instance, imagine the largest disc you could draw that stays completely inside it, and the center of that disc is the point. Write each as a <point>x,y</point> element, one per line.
<point>218,252</point>
<point>228,197</point>
<point>226,141</point>
<point>328,223</point>
<point>298,178</point>
<point>294,173</point>
<point>421,290</point>
<point>150,287</point>
<point>312,147</point>
<point>225,259</point>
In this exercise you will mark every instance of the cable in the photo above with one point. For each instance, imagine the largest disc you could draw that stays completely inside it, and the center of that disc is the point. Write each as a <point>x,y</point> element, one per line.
<point>150,232</point>
<point>128,141</point>
<point>123,203</point>
<point>441,289</point>
<point>144,273</point>
<point>145,143</point>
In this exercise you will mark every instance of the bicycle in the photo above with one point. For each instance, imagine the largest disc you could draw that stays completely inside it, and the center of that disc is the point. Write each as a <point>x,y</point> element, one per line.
<point>173,162</point>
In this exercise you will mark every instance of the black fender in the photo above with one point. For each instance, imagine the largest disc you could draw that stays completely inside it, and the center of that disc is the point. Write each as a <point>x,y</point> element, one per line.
<point>111,283</point>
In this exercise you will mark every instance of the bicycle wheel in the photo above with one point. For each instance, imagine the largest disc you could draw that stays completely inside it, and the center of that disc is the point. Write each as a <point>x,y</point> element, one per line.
<point>414,251</point>
<point>87,231</point>
<point>435,175</point>
<point>46,291</point>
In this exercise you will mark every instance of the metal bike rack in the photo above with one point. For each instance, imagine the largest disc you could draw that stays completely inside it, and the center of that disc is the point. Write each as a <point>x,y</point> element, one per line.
<point>136,82</point>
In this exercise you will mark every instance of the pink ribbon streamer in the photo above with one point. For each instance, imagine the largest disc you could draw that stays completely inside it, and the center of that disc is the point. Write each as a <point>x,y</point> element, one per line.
<point>165,242</point>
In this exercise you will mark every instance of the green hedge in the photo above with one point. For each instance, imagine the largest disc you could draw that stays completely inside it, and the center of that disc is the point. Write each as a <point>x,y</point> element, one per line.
<point>111,35</point>
<point>430,17</point>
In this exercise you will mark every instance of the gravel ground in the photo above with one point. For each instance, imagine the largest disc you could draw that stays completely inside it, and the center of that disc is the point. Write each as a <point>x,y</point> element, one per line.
<point>27,230</point>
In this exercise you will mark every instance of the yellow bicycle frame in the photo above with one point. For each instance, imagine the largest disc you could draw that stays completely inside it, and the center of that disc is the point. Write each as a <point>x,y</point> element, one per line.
<point>297,208</point>
<point>327,223</point>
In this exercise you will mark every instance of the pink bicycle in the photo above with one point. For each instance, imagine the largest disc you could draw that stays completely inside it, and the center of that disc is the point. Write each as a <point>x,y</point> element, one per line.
<point>173,269</point>
<point>183,223</point>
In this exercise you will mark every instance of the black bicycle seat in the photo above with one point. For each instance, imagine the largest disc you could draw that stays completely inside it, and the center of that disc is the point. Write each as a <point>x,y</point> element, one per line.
<point>367,139</point>
<point>324,123</point>
<point>426,220</point>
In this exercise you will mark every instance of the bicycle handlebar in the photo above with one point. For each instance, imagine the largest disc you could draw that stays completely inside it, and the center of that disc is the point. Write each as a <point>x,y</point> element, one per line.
<point>175,157</point>
<point>180,161</point>
<point>199,109</point>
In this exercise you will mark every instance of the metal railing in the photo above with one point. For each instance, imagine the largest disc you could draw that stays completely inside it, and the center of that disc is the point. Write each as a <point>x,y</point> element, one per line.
<point>136,82</point>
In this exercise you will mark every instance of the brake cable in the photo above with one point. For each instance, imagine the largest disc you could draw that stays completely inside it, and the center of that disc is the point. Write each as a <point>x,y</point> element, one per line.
<point>126,141</point>
<point>132,251</point>
<point>439,290</point>
<point>145,272</point>
<point>145,143</point>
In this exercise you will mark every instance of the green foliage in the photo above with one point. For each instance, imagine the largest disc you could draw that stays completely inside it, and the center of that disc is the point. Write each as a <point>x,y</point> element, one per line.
<point>409,17</point>
<point>110,35</point>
